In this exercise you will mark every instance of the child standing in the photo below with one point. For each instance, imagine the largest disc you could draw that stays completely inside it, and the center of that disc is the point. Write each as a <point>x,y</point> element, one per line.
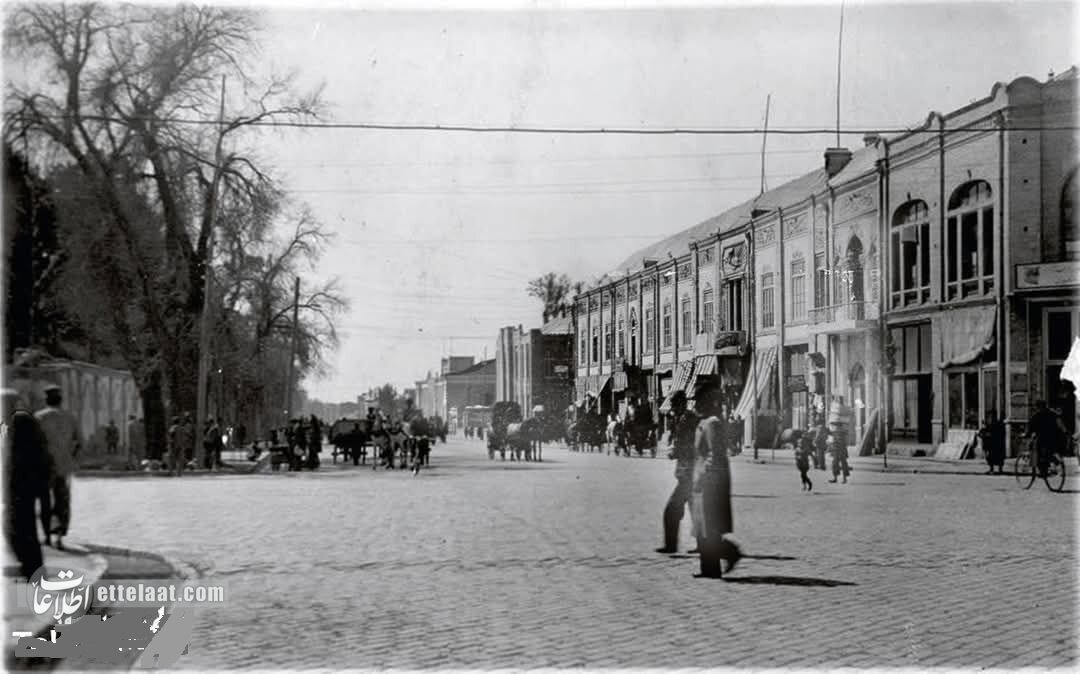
<point>803,452</point>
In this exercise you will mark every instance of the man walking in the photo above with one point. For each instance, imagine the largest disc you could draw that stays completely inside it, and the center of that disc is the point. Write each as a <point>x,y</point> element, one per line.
<point>112,438</point>
<point>62,441</point>
<point>26,473</point>
<point>684,425</point>
<point>712,490</point>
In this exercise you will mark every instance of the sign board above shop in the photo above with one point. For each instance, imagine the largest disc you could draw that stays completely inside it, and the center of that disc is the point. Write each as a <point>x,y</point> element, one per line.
<point>1048,275</point>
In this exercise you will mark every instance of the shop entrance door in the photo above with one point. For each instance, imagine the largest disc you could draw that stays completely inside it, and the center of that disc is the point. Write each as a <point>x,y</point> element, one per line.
<point>924,432</point>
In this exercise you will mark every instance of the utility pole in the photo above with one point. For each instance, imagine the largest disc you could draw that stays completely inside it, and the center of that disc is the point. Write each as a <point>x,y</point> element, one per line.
<point>764,138</point>
<point>204,332</point>
<point>292,348</point>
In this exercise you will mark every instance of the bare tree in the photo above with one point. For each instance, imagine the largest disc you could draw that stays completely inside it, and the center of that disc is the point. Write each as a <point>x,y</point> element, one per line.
<point>133,97</point>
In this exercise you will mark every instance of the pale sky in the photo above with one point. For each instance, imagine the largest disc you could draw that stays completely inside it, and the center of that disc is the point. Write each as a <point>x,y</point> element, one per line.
<point>438,233</point>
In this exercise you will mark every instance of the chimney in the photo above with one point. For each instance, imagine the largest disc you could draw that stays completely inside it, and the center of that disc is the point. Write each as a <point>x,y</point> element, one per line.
<point>836,158</point>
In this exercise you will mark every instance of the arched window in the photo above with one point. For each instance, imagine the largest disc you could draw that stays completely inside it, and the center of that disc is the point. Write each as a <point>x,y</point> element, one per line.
<point>1070,222</point>
<point>708,309</point>
<point>969,241</point>
<point>665,325</point>
<point>909,276</point>
<point>852,278</point>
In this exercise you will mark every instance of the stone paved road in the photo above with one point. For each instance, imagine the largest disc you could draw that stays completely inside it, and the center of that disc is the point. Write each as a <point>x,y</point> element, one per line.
<point>479,564</point>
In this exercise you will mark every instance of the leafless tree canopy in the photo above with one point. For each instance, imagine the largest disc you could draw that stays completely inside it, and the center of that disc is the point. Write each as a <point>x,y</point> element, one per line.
<point>152,107</point>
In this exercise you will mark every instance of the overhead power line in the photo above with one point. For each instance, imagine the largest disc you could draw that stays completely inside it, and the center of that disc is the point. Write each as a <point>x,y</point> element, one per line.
<point>639,131</point>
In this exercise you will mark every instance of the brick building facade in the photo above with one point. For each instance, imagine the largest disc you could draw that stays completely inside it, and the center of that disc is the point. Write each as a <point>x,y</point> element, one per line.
<point>536,367</point>
<point>927,279</point>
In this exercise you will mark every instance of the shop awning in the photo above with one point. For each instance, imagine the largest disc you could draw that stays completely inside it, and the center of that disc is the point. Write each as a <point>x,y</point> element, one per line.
<point>703,367</point>
<point>966,334</point>
<point>764,364</point>
<point>682,377</point>
<point>618,381</point>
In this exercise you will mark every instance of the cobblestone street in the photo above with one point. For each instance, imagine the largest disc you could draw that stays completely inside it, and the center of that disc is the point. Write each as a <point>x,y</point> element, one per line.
<point>481,564</point>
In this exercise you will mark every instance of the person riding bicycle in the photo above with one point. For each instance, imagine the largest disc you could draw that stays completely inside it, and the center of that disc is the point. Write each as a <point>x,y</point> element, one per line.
<point>1046,428</point>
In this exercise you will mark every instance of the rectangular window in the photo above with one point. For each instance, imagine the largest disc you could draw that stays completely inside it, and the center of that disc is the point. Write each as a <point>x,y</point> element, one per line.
<point>583,349</point>
<point>964,400</point>
<point>608,342</point>
<point>650,330</point>
<point>1058,335</point>
<point>768,313</point>
<point>988,249</point>
<point>622,339</point>
<point>821,281</point>
<point>687,328</point>
<point>798,289</point>
<point>596,345</point>
<point>913,355</point>
<point>665,327</point>
<point>708,317</point>
<point>733,305</point>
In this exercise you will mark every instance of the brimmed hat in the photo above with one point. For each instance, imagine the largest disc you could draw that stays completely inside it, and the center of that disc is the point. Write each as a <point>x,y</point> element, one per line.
<point>50,388</point>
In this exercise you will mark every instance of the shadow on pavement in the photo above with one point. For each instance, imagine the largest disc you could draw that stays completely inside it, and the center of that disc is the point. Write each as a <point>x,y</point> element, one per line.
<point>753,496</point>
<point>783,558</point>
<point>788,580</point>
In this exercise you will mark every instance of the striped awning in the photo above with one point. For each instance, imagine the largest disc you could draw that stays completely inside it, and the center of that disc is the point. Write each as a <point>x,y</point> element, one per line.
<point>764,365</point>
<point>619,381</point>
<point>683,377</point>
<point>703,366</point>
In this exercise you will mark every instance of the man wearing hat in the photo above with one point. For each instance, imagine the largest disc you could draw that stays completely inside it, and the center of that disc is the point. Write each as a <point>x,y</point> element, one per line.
<point>26,472</point>
<point>684,425</point>
<point>711,495</point>
<point>62,441</point>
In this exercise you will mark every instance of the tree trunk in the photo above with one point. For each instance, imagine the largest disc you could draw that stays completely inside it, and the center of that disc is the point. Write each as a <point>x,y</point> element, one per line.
<point>153,402</point>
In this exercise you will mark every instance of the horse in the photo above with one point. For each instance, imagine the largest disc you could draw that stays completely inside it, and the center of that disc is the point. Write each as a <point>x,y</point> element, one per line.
<point>588,431</point>
<point>351,437</point>
<point>524,437</point>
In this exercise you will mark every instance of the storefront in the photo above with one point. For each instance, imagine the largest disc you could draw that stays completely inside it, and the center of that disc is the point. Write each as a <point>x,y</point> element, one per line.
<point>1050,306</point>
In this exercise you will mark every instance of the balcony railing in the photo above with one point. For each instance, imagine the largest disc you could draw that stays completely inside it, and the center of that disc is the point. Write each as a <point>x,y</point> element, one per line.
<point>848,311</point>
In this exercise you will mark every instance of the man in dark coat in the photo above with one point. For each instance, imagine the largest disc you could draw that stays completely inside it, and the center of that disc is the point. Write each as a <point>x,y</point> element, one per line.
<point>684,426</point>
<point>992,437</point>
<point>711,497</point>
<point>1046,427</point>
<point>26,481</point>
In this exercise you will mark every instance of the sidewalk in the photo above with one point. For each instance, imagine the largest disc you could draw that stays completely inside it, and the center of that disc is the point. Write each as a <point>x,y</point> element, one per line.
<point>94,563</point>
<point>879,464</point>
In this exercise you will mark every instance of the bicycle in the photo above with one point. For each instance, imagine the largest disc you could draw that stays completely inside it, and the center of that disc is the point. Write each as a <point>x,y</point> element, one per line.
<point>1026,470</point>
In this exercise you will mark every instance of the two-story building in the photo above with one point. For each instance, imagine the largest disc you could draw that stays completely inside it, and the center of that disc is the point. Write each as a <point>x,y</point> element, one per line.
<point>927,279</point>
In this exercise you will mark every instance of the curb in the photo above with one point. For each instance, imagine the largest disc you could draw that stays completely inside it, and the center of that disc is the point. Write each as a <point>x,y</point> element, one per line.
<point>180,569</point>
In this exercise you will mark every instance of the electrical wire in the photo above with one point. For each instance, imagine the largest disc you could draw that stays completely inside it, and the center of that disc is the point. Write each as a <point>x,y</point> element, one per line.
<point>472,128</point>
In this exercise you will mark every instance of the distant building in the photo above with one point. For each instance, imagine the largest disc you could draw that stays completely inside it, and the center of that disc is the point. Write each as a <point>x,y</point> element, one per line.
<point>432,395</point>
<point>472,386</point>
<point>536,367</point>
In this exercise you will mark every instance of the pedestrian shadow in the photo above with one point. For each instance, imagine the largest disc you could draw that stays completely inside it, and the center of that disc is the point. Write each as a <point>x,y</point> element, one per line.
<point>783,558</point>
<point>788,580</point>
<point>753,496</point>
